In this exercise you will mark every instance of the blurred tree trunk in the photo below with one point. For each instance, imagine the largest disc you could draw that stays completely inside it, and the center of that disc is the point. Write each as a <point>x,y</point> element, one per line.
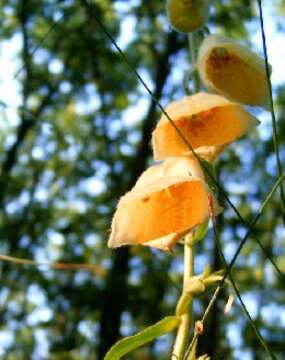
<point>115,293</point>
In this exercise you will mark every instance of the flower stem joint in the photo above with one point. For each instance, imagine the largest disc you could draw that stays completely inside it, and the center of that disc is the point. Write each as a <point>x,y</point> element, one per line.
<point>195,287</point>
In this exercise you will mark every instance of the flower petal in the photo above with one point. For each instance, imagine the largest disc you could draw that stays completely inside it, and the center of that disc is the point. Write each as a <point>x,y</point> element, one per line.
<point>234,71</point>
<point>166,242</point>
<point>169,205</point>
<point>205,120</point>
<point>176,166</point>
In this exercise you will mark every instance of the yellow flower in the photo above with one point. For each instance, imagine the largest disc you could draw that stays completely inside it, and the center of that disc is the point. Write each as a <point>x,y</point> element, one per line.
<point>208,122</point>
<point>187,15</point>
<point>168,201</point>
<point>233,70</point>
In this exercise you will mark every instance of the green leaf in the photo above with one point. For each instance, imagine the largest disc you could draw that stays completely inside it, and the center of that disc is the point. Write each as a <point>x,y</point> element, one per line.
<point>130,343</point>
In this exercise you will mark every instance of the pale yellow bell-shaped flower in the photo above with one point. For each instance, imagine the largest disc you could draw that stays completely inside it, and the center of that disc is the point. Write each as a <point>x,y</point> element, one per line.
<point>208,123</point>
<point>234,71</point>
<point>187,15</point>
<point>168,201</point>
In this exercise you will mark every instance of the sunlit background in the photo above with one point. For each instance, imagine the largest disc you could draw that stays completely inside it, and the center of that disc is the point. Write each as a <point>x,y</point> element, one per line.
<point>76,160</point>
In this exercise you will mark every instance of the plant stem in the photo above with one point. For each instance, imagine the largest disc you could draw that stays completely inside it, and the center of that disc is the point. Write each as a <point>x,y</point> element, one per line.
<point>192,37</point>
<point>183,330</point>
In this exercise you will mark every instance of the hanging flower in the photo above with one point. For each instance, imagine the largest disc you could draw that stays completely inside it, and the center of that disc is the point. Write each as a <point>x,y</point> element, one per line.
<point>233,70</point>
<point>187,15</point>
<point>168,201</point>
<point>208,123</point>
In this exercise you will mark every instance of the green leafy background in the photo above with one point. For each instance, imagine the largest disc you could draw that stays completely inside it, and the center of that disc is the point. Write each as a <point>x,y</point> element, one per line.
<point>78,143</point>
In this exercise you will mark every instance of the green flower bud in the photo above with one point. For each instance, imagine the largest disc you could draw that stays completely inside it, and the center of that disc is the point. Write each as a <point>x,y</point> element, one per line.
<point>187,15</point>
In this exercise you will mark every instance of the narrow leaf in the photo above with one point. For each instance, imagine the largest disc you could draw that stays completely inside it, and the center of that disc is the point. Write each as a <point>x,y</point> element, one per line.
<point>130,343</point>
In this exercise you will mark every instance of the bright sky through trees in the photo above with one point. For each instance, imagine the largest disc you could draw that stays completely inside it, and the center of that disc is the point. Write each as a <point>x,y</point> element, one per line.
<point>92,185</point>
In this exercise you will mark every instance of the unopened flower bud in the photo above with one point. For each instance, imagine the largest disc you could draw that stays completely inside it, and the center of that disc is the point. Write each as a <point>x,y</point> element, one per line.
<point>199,327</point>
<point>187,15</point>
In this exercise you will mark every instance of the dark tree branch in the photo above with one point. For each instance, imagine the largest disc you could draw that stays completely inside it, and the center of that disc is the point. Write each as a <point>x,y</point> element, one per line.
<point>171,46</point>
<point>28,120</point>
<point>115,294</point>
<point>25,120</point>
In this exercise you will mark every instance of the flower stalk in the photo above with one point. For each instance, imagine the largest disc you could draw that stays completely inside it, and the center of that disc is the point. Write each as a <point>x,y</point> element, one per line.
<point>186,316</point>
<point>192,39</point>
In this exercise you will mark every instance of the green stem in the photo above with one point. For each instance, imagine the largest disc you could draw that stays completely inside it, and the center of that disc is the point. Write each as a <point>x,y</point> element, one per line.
<point>183,330</point>
<point>192,47</point>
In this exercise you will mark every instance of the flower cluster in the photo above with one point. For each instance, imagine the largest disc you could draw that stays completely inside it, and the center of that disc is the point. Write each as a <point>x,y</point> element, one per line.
<point>171,199</point>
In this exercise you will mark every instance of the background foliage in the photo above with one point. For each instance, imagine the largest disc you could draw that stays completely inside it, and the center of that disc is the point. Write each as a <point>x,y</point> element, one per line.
<point>77,143</point>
